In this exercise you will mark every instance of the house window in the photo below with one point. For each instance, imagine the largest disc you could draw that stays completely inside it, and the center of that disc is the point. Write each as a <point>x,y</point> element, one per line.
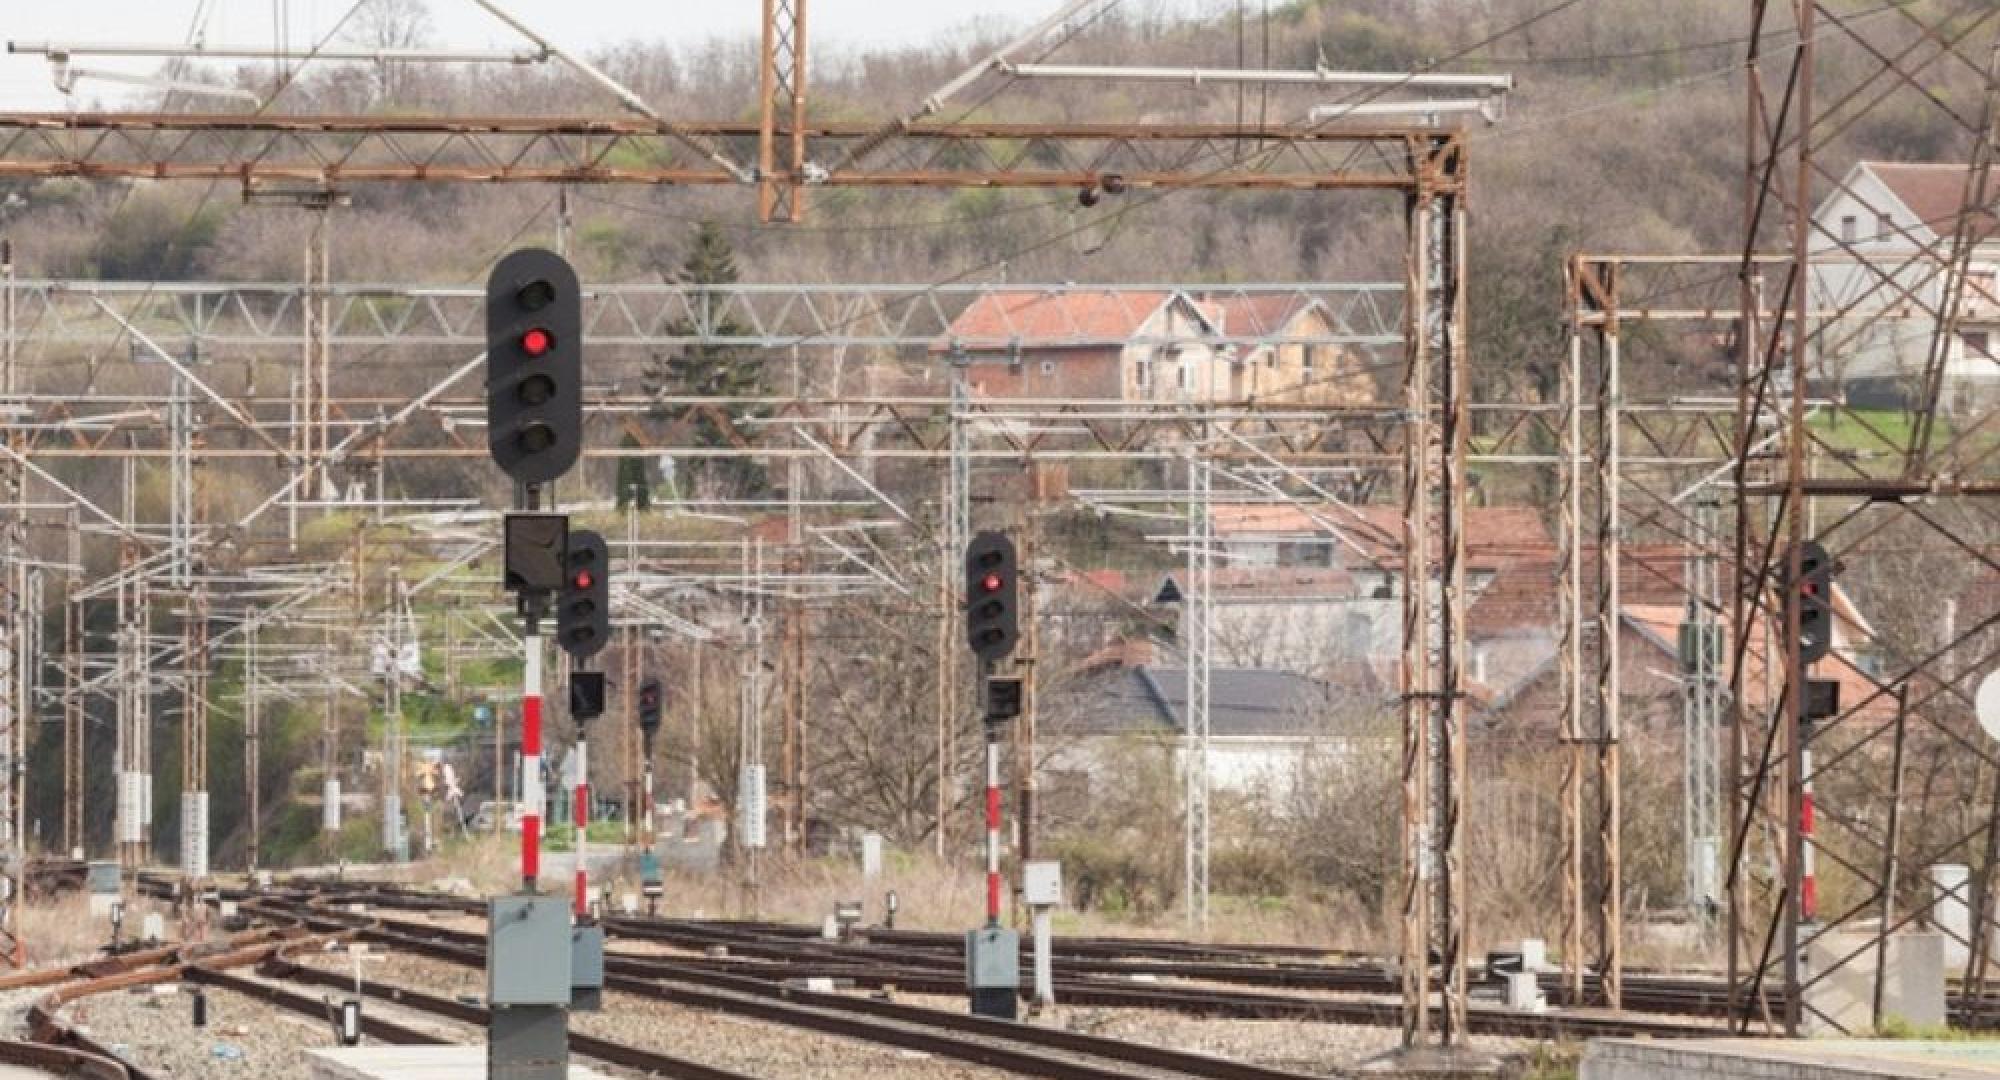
<point>1048,367</point>
<point>1847,229</point>
<point>1187,373</point>
<point>1982,286</point>
<point>1311,354</point>
<point>1885,226</point>
<point>1145,373</point>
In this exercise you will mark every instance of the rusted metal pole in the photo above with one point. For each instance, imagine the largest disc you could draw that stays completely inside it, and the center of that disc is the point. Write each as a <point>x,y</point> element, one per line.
<point>1610,906</point>
<point>1570,608</point>
<point>1795,520</point>
<point>1419,861</point>
<point>1455,395</point>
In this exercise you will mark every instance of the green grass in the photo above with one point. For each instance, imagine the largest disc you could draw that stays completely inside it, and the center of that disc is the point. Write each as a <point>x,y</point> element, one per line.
<point>1871,432</point>
<point>1896,1027</point>
<point>1874,441</point>
<point>563,837</point>
<point>1552,1062</point>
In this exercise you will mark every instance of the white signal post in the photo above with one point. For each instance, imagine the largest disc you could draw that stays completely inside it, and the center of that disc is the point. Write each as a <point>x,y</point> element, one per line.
<point>531,759</point>
<point>993,885</point>
<point>582,908</point>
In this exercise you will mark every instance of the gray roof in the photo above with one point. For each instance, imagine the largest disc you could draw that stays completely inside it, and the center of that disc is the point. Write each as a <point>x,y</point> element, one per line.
<point>1241,702</point>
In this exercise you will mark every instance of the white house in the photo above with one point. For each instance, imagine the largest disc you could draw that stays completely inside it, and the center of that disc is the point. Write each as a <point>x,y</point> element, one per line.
<point>1877,237</point>
<point>1267,728</point>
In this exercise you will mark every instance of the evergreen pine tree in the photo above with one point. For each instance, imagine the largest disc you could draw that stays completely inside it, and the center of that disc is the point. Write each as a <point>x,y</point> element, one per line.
<point>635,477</point>
<point>708,370</point>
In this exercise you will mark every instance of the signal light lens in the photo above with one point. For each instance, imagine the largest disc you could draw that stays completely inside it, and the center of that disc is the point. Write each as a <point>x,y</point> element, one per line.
<point>535,295</point>
<point>537,342</point>
<point>583,579</point>
<point>991,583</point>
<point>536,390</point>
<point>536,438</point>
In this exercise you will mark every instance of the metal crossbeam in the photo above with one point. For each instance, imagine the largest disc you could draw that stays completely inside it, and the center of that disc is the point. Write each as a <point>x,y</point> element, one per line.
<point>645,316</point>
<point>330,149</point>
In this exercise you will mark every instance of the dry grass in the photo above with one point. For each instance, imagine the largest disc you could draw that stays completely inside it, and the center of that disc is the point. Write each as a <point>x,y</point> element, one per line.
<point>61,931</point>
<point>931,896</point>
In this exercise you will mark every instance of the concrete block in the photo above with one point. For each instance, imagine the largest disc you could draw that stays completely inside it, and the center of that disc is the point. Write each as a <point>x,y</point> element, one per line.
<point>1843,1001</point>
<point>1534,954</point>
<point>409,1063</point>
<point>1951,886</point>
<point>1524,992</point>
<point>1773,1059</point>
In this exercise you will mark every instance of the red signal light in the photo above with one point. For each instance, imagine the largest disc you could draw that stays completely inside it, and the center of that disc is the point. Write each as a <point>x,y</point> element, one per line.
<point>990,583</point>
<point>583,579</point>
<point>537,342</point>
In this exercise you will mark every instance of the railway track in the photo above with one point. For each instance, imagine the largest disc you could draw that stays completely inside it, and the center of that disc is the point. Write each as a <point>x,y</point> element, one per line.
<point>785,962</point>
<point>281,968</point>
<point>1231,981</point>
<point>58,1044</point>
<point>1027,1050</point>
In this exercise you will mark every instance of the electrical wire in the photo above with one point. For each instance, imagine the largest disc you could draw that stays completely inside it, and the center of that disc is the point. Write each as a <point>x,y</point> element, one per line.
<point>1668,50</point>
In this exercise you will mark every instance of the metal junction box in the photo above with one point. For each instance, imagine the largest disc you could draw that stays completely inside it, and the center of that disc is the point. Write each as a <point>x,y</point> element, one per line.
<point>586,968</point>
<point>527,961</point>
<point>993,971</point>
<point>1041,883</point>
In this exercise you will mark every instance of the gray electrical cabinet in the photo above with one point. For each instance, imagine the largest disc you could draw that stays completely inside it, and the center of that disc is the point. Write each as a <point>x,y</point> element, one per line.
<point>993,971</point>
<point>586,968</point>
<point>528,962</point>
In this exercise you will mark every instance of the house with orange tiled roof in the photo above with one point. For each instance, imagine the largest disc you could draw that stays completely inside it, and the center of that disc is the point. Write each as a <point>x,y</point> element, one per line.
<point>1884,232</point>
<point>1157,345</point>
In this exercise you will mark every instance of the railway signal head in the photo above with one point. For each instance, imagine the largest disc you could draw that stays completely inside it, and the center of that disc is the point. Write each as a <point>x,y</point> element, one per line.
<point>992,616</point>
<point>583,613</point>
<point>534,366</point>
<point>649,705</point>
<point>533,553</point>
<point>1815,586</point>
<point>586,695</point>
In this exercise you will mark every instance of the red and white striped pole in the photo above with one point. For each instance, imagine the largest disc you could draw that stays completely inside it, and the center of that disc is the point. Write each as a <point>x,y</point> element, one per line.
<point>531,760</point>
<point>992,826</point>
<point>582,908</point>
<point>1808,882</point>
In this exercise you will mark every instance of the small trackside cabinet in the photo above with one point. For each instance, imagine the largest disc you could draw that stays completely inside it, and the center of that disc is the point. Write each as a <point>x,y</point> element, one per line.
<point>993,971</point>
<point>586,968</point>
<point>1041,883</point>
<point>528,962</point>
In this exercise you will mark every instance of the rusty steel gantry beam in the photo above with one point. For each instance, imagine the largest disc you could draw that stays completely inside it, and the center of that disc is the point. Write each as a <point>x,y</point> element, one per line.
<point>327,150</point>
<point>1427,168</point>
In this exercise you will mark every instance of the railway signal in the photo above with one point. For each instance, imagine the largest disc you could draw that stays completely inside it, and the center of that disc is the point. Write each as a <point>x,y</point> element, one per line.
<point>649,706</point>
<point>583,612</point>
<point>534,366</point>
<point>992,612</point>
<point>1815,587</point>
<point>586,695</point>
<point>532,552</point>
